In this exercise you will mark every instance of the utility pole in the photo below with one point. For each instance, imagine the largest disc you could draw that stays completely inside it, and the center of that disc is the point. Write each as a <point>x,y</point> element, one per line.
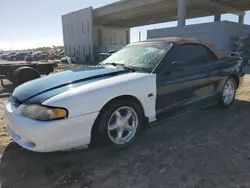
<point>139,35</point>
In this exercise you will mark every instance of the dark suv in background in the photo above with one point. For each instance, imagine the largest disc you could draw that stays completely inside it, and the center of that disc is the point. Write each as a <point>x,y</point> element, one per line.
<point>17,56</point>
<point>5,55</point>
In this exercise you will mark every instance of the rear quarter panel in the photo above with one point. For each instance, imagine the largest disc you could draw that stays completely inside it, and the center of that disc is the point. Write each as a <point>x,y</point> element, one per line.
<point>228,67</point>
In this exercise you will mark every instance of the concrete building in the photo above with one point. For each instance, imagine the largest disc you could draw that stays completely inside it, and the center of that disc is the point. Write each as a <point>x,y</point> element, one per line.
<point>89,31</point>
<point>78,33</point>
<point>220,34</point>
<point>85,40</point>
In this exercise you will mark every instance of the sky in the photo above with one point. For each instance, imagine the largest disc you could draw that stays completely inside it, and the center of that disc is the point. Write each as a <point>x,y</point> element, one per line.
<point>34,23</point>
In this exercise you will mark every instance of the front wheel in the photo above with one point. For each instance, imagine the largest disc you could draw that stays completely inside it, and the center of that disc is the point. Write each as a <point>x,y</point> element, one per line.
<point>228,93</point>
<point>120,124</point>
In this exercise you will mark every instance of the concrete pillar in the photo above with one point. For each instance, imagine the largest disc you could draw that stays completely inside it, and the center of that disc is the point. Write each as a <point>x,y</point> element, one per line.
<point>182,10</point>
<point>241,19</point>
<point>128,36</point>
<point>217,17</point>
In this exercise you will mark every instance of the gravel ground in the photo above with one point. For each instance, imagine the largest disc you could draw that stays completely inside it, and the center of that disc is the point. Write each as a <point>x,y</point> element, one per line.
<point>203,149</point>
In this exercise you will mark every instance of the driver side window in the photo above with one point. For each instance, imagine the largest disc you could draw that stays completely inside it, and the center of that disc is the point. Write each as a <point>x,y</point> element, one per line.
<point>187,55</point>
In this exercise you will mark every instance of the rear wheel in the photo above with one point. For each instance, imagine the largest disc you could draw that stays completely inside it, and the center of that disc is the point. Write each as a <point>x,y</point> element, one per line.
<point>25,74</point>
<point>119,124</point>
<point>228,93</point>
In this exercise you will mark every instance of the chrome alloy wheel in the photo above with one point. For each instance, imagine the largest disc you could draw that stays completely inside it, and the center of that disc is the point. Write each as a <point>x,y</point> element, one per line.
<point>122,125</point>
<point>228,92</point>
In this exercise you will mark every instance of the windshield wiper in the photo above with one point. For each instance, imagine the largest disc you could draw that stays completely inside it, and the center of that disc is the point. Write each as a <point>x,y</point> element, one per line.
<point>121,65</point>
<point>113,64</point>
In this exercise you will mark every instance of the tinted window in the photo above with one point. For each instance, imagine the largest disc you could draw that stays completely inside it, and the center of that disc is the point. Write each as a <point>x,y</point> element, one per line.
<point>188,54</point>
<point>211,56</point>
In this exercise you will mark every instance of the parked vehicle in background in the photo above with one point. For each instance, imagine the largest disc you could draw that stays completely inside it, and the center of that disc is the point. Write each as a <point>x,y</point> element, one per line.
<point>44,56</point>
<point>28,57</point>
<point>142,83</point>
<point>38,56</point>
<point>17,56</point>
<point>55,54</point>
<point>51,55</point>
<point>35,56</point>
<point>58,54</point>
<point>4,56</point>
<point>1,53</point>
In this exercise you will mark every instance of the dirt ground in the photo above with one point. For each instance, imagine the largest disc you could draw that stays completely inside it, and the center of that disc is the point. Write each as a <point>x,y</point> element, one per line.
<point>203,149</point>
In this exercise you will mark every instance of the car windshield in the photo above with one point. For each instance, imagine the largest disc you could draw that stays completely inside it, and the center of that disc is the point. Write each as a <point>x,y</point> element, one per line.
<point>141,56</point>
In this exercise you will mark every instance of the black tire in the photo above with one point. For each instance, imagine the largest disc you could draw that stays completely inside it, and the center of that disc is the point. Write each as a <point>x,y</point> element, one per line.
<point>222,100</point>
<point>25,74</point>
<point>100,134</point>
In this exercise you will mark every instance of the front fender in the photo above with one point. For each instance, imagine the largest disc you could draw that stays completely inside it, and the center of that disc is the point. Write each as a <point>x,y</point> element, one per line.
<point>92,97</point>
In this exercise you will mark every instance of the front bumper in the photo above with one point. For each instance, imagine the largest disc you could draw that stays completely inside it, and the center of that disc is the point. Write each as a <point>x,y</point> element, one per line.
<point>48,136</point>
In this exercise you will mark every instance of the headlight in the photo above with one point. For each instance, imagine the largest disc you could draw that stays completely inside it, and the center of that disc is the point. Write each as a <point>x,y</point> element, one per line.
<point>44,113</point>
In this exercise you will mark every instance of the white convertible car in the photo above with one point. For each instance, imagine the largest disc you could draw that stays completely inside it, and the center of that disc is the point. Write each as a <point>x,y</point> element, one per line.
<point>142,83</point>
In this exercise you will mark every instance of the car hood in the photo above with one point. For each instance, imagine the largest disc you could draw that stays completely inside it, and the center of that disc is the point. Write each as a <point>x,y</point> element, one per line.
<point>59,82</point>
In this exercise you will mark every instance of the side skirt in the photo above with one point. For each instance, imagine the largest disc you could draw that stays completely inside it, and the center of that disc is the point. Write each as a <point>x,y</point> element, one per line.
<point>163,118</point>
